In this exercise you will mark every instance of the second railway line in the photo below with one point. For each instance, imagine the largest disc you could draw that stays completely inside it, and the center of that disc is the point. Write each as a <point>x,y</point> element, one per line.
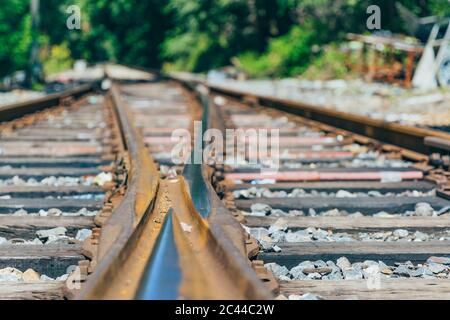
<point>344,216</point>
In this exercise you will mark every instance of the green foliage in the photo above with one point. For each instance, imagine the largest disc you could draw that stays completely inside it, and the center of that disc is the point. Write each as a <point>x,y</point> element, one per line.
<point>208,34</point>
<point>265,38</point>
<point>187,50</point>
<point>329,64</point>
<point>256,66</point>
<point>439,7</point>
<point>15,35</point>
<point>286,56</point>
<point>57,59</point>
<point>127,31</point>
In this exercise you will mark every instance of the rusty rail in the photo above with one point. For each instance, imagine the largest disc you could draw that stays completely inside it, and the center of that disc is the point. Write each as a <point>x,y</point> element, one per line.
<point>122,230</point>
<point>408,137</point>
<point>157,225</point>
<point>17,110</point>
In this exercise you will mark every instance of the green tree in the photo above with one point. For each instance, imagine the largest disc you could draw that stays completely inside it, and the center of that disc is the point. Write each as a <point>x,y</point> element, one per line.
<point>128,31</point>
<point>273,37</point>
<point>207,34</point>
<point>15,35</point>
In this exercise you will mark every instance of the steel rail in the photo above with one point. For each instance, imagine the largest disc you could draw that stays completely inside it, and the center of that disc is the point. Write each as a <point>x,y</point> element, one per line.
<point>408,137</point>
<point>424,141</point>
<point>35,112</point>
<point>17,110</point>
<point>300,250</point>
<point>412,138</point>
<point>157,233</point>
<point>226,237</point>
<point>122,231</point>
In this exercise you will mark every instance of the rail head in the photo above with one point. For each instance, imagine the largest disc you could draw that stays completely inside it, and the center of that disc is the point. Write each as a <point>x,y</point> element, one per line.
<point>121,231</point>
<point>404,136</point>
<point>148,232</point>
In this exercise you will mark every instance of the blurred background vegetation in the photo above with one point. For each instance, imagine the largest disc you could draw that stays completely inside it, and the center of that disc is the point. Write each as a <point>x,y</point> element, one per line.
<point>274,38</point>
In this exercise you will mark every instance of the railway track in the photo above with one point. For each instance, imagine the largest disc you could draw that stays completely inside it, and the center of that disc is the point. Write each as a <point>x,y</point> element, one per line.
<point>90,193</point>
<point>176,243</point>
<point>343,216</point>
<point>58,173</point>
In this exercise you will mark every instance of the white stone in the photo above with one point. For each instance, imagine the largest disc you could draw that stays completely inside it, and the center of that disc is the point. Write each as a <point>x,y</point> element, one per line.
<point>43,213</point>
<point>259,233</point>
<point>276,269</point>
<point>279,225</point>
<point>352,274</point>
<point>10,274</point>
<point>297,237</point>
<point>36,241</point>
<point>102,178</point>
<point>314,276</point>
<point>297,273</point>
<point>30,276</point>
<point>278,236</point>
<point>57,240</point>
<point>62,278</point>
<point>59,231</point>
<point>296,213</point>
<point>20,212</point>
<point>343,263</point>
<point>384,215</point>
<point>310,296</point>
<point>420,236</point>
<point>284,278</point>
<point>421,272</point>
<point>423,209</point>
<point>355,215</point>
<point>46,278</point>
<point>83,234</point>
<point>276,248</point>
<point>436,267</point>
<point>401,233</point>
<point>54,212</point>
<point>9,277</point>
<point>332,213</point>
<point>260,208</point>
<point>344,194</point>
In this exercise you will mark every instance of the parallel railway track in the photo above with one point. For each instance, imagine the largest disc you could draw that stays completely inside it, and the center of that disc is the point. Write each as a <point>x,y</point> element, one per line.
<point>339,203</point>
<point>337,208</point>
<point>173,246</point>
<point>58,172</point>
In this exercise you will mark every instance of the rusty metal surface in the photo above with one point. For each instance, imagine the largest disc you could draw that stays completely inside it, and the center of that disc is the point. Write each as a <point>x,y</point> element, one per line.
<point>286,254</point>
<point>404,136</point>
<point>408,137</point>
<point>438,143</point>
<point>131,250</point>
<point>406,143</point>
<point>51,120</point>
<point>210,265</point>
<point>14,111</point>
<point>163,273</point>
<point>121,230</point>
